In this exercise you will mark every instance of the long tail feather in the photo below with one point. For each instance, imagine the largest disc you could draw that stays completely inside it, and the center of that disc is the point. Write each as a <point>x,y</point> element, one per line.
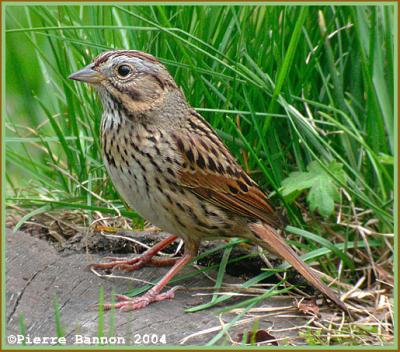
<point>279,246</point>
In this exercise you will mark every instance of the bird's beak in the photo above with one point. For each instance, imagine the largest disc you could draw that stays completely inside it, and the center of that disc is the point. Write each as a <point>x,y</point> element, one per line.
<point>88,75</point>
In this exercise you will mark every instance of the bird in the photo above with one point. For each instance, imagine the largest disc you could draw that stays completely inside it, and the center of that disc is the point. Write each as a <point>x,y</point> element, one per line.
<point>170,166</point>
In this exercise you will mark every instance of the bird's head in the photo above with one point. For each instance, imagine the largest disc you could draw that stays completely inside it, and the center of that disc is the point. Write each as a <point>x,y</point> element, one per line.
<point>132,78</point>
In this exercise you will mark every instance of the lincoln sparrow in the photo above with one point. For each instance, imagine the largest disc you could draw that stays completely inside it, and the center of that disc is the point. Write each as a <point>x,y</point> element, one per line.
<point>169,165</point>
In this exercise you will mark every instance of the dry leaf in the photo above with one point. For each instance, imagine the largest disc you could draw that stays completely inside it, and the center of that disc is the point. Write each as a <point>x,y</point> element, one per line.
<point>307,307</point>
<point>259,336</point>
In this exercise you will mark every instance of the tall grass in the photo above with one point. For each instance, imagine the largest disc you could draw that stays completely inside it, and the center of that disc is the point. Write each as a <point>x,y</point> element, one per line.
<point>282,85</point>
<point>286,85</point>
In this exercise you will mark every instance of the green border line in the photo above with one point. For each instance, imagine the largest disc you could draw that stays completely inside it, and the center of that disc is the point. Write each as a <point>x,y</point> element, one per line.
<point>199,3</point>
<point>3,178</point>
<point>152,348</point>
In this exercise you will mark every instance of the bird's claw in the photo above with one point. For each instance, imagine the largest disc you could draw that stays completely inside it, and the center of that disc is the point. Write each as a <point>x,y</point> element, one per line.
<point>127,304</point>
<point>127,264</point>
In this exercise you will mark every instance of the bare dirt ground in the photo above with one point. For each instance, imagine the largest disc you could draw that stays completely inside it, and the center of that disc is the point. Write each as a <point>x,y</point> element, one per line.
<point>37,273</point>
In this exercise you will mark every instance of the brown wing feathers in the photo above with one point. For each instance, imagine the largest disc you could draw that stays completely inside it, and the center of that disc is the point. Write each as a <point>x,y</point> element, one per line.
<point>220,180</point>
<point>225,184</point>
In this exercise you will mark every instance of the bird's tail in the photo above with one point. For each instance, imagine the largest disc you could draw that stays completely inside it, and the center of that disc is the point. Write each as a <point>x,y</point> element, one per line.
<point>275,242</point>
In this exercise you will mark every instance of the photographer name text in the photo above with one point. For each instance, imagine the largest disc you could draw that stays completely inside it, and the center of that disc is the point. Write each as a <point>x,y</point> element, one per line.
<point>145,339</point>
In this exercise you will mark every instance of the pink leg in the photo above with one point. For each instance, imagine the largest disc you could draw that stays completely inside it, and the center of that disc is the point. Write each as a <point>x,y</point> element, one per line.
<point>153,295</point>
<point>142,260</point>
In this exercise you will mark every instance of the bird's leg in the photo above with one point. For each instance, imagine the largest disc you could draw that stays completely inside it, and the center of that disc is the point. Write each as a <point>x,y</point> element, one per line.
<point>140,261</point>
<point>154,294</point>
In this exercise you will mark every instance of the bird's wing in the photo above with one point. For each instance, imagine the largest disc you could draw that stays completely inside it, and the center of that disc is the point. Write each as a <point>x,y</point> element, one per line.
<point>211,172</point>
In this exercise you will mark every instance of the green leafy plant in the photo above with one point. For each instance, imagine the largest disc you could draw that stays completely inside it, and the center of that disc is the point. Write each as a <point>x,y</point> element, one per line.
<point>320,181</point>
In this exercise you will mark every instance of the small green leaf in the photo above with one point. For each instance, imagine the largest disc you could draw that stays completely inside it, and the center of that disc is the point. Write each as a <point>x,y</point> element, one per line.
<point>297,181</point>
<point>324,191</point>
<point>322,195</point>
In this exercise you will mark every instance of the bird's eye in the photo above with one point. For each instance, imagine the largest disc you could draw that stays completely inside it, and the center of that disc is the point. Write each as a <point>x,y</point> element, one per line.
<point>124,70</point>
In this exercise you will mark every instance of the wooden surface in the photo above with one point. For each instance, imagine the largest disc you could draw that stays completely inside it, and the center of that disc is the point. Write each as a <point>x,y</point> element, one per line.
<point>36,274</point>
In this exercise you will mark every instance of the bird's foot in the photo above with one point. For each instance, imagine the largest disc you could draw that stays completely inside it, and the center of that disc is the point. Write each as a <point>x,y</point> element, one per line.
<point>125,264</point>
<point>134,263</point>
<point>127,304</point>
